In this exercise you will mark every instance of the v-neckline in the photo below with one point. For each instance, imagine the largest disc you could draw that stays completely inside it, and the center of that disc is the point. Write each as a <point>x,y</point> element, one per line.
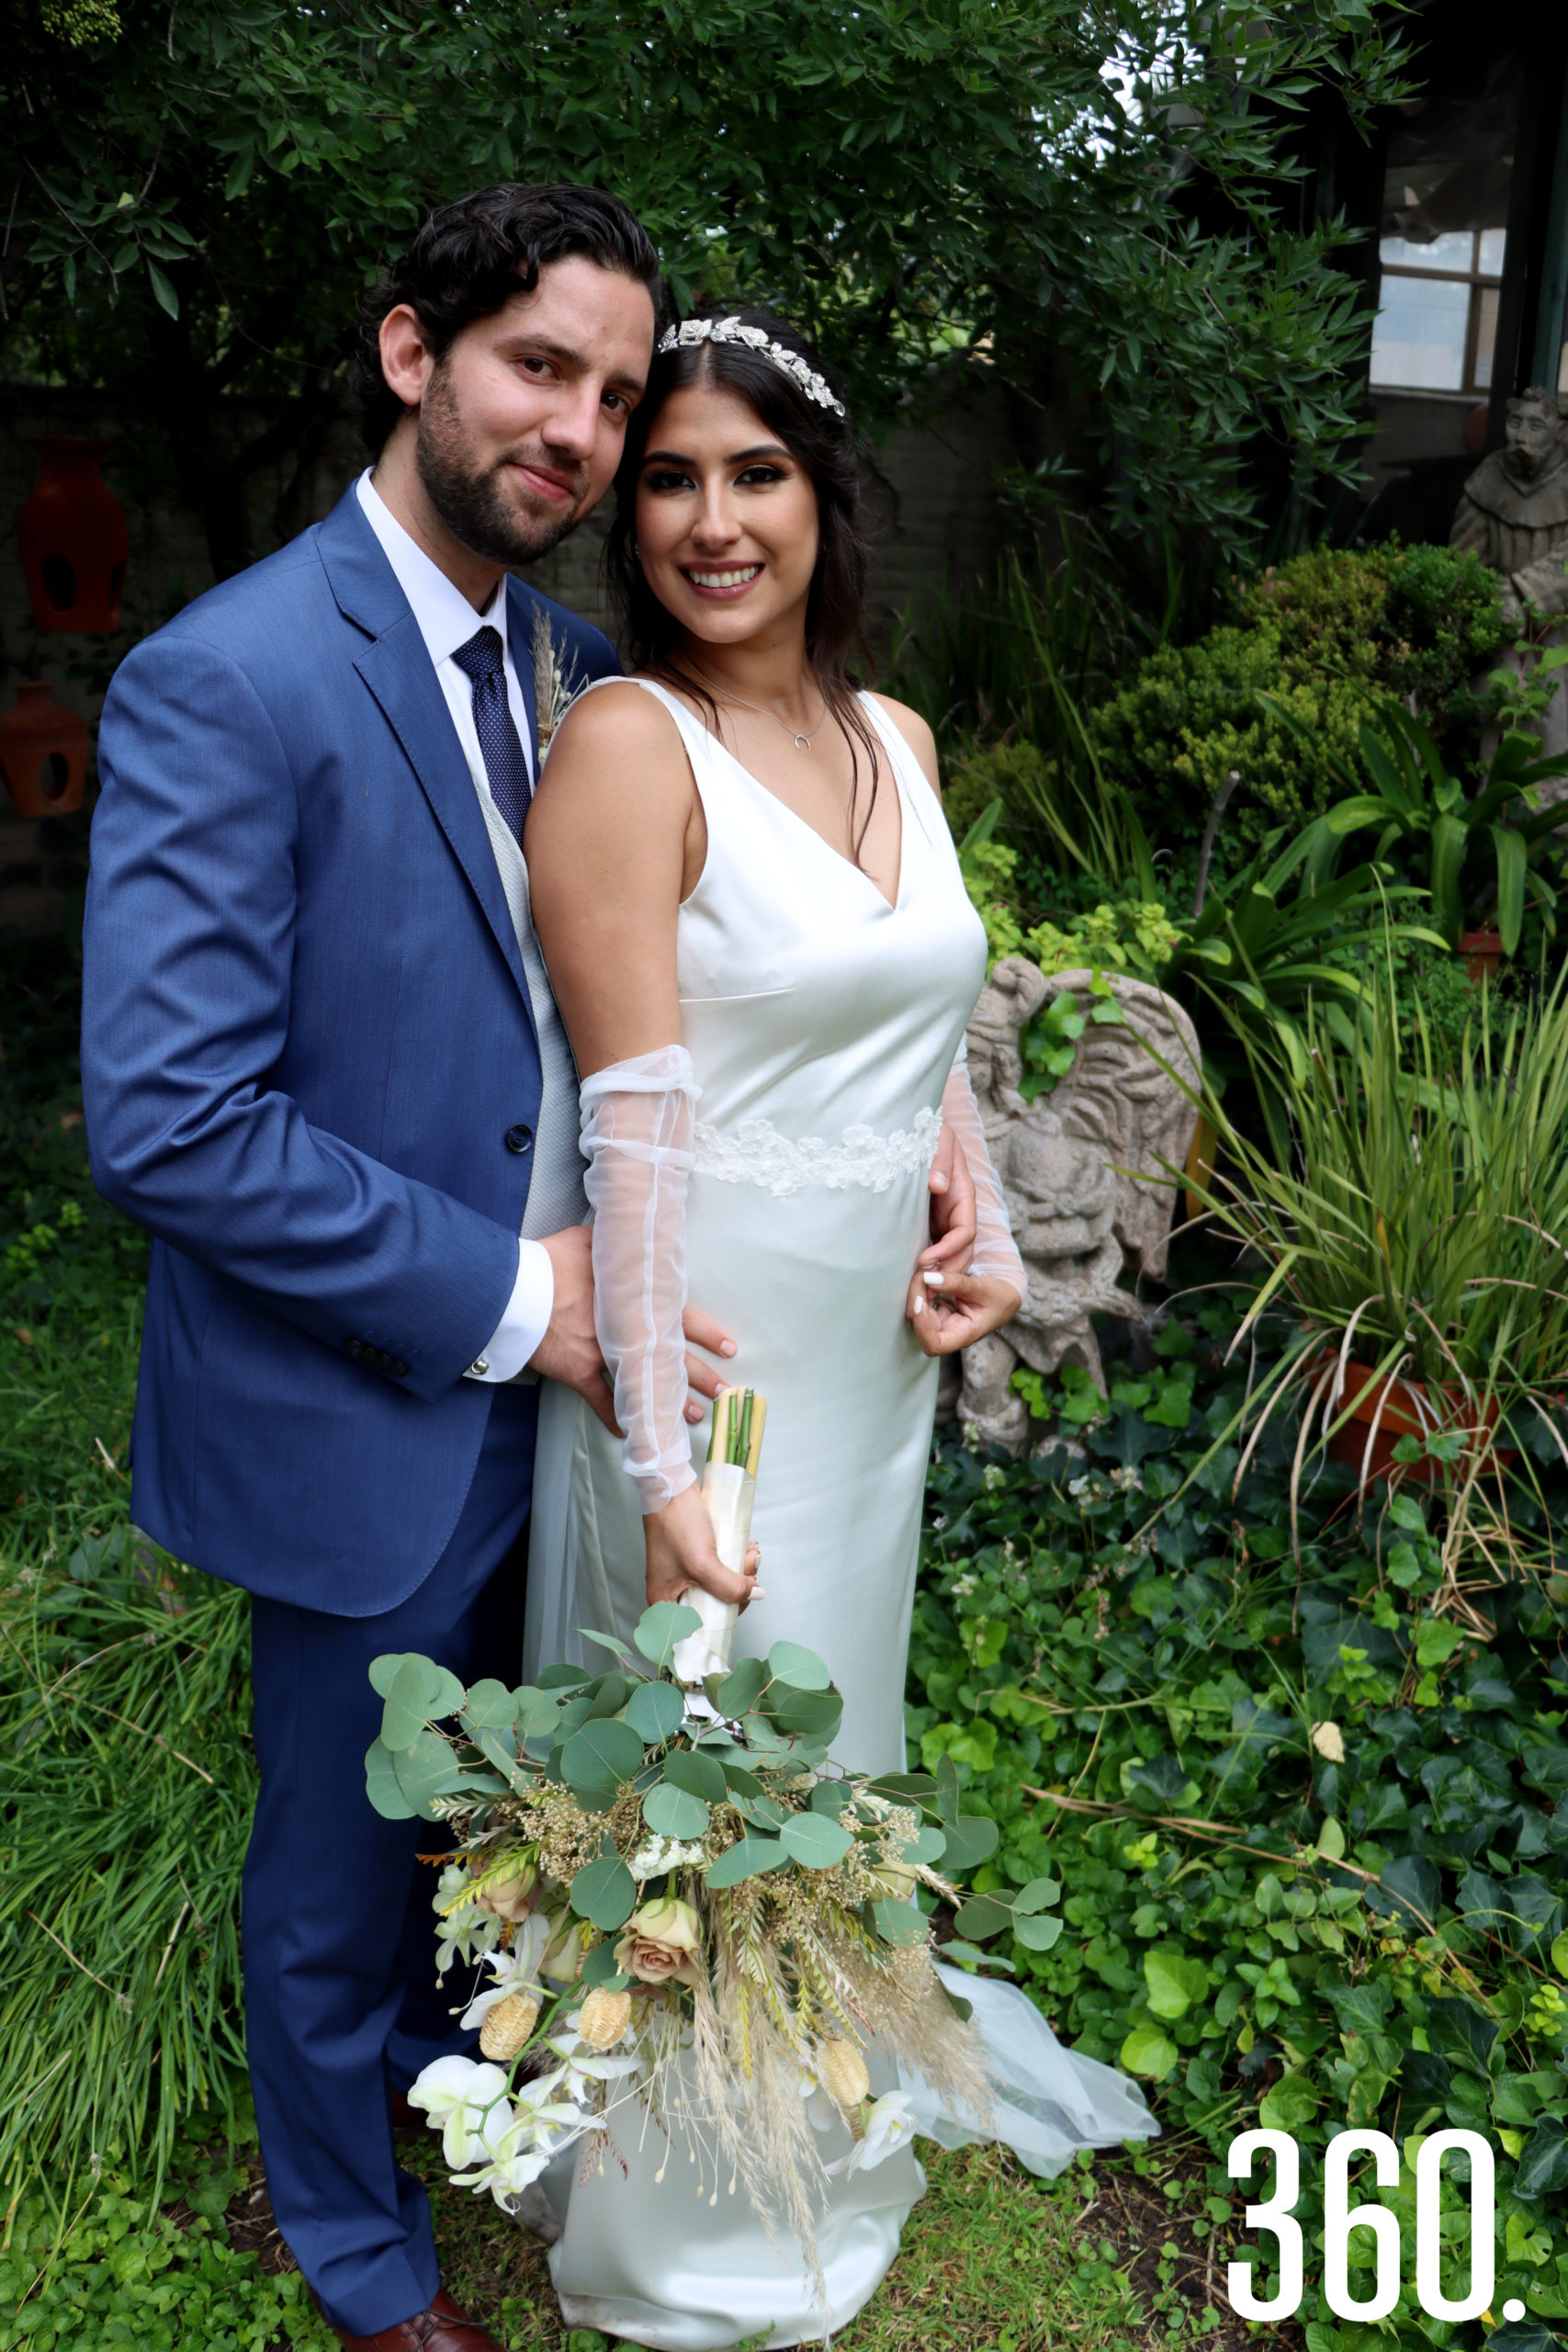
<point>892,904</point>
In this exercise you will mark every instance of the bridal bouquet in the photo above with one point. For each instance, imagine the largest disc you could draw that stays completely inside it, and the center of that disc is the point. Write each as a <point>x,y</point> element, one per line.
<point>687,1913</point>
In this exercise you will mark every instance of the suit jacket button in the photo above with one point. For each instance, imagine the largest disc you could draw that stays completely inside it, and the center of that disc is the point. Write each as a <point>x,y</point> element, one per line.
<point>398,1368</point>
<point>353,1348</point>
<point>520,1138</point>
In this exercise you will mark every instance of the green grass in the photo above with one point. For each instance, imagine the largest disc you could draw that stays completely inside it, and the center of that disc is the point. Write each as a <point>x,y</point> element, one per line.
<point>990,2262</point>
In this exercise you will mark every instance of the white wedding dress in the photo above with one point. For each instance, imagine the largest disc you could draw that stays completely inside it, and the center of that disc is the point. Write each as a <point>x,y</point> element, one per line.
<point>822,1022</point>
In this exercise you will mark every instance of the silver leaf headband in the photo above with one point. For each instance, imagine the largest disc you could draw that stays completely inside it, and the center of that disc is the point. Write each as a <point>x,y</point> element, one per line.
<point>733,329</point>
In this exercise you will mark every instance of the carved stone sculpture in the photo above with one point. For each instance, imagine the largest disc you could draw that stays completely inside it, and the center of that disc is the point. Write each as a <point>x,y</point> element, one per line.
<point>1514,509</point>
<point>1514,513</point>
<point>1084,1170</point>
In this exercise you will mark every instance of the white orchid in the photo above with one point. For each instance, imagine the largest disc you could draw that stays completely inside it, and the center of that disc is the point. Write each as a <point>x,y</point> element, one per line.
<point>466,2102</point>
<point>465,1930</point>
<point>516,1971</point>
<point>508,2177</point>
<point>888,2126</point>
<point>821,2112</point>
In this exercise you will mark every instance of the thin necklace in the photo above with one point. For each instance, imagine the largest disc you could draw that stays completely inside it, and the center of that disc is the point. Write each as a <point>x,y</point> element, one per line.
<point>802,742</point>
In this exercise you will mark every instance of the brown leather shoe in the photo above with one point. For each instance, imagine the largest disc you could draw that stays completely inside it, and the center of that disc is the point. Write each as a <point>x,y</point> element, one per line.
<point>442,2328</point>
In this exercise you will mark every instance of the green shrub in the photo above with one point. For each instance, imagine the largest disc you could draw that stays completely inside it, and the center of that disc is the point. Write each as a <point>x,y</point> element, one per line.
<point>1310,1829</point>
<point>1328,637</point>
<point>127,2276</point>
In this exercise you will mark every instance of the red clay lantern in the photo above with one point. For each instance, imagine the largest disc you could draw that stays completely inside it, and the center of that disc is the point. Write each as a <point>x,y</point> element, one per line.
<point>73,537</point>
<point>43,753</point>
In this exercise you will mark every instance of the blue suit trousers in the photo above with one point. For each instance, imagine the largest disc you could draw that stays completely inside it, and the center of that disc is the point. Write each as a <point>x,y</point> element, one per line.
<point>341,2001</point>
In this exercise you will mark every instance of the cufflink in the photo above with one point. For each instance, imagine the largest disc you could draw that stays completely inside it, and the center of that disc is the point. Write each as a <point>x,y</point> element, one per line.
<point>479,1369</point>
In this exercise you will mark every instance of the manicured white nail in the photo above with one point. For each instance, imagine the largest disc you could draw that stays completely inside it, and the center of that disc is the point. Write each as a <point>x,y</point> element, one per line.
<point>727,1348</point>
<point>939,1182</point>
<point>919,1305</point>
<point>935,1280</point>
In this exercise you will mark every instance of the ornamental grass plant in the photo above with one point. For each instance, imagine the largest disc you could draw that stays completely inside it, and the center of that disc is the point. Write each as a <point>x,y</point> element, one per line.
<point>1407,1207</point>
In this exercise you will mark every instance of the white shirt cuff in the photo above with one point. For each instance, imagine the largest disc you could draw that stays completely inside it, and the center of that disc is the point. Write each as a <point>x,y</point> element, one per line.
<point>525,1321</point>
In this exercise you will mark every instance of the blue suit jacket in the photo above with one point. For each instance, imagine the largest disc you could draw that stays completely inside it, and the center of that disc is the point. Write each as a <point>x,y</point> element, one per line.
<point>308,1062</point>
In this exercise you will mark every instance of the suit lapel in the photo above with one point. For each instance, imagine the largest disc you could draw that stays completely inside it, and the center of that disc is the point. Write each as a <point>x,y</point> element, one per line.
<point>397,668</point>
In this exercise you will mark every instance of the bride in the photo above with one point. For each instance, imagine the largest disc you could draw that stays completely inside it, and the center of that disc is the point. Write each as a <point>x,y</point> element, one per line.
<point>765,957</point>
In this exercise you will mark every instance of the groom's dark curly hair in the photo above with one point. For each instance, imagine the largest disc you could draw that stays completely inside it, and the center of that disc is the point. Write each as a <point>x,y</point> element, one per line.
<point>470,259</point>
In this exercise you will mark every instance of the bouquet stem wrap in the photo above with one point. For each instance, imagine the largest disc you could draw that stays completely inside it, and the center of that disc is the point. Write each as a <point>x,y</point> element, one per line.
<point>729,1490</point>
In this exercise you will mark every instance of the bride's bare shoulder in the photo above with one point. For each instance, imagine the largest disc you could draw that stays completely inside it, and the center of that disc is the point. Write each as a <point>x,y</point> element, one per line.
<point>916,733</point>
<point>612,737</point>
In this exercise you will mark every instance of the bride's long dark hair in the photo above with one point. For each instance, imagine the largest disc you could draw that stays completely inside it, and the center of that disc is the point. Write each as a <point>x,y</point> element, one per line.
<point>825,445</point>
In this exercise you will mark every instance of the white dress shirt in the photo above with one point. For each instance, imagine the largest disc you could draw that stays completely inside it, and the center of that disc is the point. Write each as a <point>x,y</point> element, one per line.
<point>446,621</point>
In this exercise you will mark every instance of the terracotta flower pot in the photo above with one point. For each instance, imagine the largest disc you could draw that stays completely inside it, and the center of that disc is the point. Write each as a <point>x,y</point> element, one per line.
<point>1483,953</point>
<point>1400,1408</point>
<point>43,753</point>
<point>73,538</point>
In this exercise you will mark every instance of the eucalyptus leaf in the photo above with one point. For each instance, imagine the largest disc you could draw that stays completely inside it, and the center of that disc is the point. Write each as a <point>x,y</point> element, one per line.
<point>747,1858</point>
<point>489,1705</point>
<point>815,1841</point>
<point>609,1696</point>
<point>971,1840</point>
<point>801,1668</point>
<point>608,1642</point>
<point>739,1692</point>
<point>929,1846</point>
<point>407,1706</point>
<point>1038,1895</point>
<point>600,1972</point>
<point>816,1713</point>
<point>538,1711</point>
<point>656,1712</point>
<point>899,1923</point>
<point>601,1756</point>
<point>604,1893</point>
<point>981,1917</point>
<point>660,1628</point>
<point>740,1782</point>
<point>425,1770</point>
<point>972,1957</point>
<point>699,1775</point>
<point>1036,1934</point>
<point>563,1678</point>
<point>830,1797</point>
<point>382,1786</point>
<point>383,1670</point>
<point>675,1813</point>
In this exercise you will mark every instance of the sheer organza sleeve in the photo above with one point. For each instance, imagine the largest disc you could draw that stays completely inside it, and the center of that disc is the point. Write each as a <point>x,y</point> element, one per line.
<point>996,1252</point>
<point>638,1129</point>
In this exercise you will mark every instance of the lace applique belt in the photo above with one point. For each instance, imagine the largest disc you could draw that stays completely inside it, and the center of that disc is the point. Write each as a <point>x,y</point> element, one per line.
<point>756,1153</point>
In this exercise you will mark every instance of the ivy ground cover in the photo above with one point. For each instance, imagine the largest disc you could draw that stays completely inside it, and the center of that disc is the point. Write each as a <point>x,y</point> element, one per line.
<point>1311,1836</point>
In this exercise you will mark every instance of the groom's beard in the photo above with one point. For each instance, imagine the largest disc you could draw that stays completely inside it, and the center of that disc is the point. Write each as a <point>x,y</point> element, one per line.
<point>475,503</point>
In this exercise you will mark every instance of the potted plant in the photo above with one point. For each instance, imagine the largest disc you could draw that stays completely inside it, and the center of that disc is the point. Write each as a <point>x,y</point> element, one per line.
<point>1411,1213</point>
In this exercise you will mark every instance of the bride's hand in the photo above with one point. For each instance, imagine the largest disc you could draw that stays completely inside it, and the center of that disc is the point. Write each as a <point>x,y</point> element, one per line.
<point>965,1309</point>
<point>952,1223</point>
<point>681,1553</point>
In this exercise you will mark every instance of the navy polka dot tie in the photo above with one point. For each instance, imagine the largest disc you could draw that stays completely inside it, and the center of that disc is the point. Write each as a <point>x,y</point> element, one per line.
<point>506,762</point>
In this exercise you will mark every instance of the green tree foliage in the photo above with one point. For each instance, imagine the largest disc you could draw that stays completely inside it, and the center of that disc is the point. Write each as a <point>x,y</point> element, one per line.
<point>1326,638</point>
<point>198,194</point>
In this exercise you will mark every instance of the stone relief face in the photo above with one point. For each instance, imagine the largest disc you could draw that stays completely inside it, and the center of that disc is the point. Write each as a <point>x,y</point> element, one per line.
<point>1533,435</point>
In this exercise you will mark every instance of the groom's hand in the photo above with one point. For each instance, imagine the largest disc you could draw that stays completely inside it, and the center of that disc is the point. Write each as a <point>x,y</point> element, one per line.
<point>569,1350</point>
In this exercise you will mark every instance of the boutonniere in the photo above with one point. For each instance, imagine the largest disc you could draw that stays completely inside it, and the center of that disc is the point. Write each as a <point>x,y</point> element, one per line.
<point>555,688</point>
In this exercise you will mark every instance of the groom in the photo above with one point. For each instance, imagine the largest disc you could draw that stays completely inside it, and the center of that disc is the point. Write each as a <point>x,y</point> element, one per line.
<point>321,1064</point>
